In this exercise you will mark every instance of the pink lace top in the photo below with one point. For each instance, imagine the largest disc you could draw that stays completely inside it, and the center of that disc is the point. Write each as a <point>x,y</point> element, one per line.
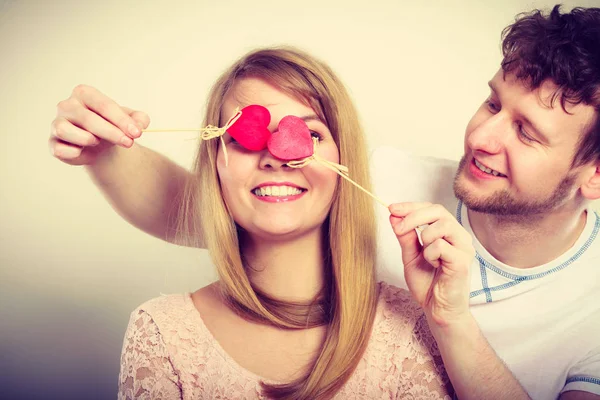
<point>168,353</point>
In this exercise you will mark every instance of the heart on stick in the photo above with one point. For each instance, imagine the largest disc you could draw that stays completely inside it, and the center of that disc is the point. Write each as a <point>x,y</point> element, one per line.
<point>292,140</point>
<point>251,130</point>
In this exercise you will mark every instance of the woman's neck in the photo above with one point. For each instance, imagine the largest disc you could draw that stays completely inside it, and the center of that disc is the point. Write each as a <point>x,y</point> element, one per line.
<point>290,270</point>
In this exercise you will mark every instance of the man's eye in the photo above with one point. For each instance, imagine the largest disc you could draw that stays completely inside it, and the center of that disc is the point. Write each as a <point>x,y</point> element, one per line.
<point>492,106</point>
<point>524,136</point>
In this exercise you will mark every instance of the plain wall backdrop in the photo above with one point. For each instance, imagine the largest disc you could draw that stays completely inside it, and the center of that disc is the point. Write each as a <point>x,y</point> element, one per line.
<point>71,270</point>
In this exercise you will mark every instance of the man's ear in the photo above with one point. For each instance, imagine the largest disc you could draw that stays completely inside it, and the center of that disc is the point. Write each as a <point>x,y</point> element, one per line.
<point>590,186</point>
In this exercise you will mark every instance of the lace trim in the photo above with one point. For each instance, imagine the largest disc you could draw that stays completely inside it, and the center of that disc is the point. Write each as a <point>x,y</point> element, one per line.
<point>169,353</point>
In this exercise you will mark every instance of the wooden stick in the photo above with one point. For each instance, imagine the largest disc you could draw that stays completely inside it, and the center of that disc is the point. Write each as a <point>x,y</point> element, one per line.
<point>346,177</point>
<point>171,130</point>
<point>299,164</point>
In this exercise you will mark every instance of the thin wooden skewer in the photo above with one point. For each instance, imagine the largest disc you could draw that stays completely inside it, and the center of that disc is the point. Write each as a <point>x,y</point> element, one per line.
<point>346,177</point>
<point>171,130</point>
<point>341,170</point>
<point>296,164</point>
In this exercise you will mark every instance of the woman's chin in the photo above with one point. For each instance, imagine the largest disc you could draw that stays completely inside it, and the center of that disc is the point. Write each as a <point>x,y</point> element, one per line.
<point>280,233</point>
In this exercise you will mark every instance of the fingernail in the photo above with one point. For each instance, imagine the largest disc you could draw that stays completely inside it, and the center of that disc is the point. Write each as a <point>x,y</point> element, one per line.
<point>140,126</point>
<point>133,130</point>
<point>126,141</point>
<point>399,228</point>
<point>67,152</point>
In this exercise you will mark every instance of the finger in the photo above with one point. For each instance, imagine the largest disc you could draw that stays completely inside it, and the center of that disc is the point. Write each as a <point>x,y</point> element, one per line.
<point>70,154</point>
<point>440,252</point>
<point>409,242</point>
<point>403,209</point>
<point>63,150</point>
<point>107,108</point>
<point>142,120</point>
<point>424,215</point>
<point>65,131</point>
<point>99,127</point>
<point>448,229</point>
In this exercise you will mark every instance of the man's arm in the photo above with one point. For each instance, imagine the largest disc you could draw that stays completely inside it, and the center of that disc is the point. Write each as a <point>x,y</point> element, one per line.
<point>474,368</point>
<point>437,273</point>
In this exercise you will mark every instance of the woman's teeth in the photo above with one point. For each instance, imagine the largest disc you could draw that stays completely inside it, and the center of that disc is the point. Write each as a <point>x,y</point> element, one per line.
<point>277,191</point>
<point>487,170</point>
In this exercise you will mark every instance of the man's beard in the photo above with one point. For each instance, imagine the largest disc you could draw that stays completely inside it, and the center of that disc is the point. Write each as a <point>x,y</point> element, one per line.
<point>502,203</point>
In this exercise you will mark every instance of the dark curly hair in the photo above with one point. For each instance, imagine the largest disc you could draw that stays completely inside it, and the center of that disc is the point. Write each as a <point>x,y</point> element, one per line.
<point>565,48</point>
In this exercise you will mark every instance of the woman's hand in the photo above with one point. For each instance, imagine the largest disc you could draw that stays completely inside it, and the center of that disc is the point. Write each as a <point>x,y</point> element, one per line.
<point>88,123</point>
<point>437,271</point>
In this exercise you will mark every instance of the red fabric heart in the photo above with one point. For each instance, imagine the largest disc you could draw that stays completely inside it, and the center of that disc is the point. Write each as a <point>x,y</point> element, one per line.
<point>292,140</point>
<point>251,130</point>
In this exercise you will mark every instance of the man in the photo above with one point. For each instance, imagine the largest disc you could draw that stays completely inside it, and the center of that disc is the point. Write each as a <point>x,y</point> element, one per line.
<point>522,189</point>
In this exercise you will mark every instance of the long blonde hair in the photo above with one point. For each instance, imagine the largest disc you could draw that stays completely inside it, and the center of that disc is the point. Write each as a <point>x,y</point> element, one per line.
<point>350,294</point>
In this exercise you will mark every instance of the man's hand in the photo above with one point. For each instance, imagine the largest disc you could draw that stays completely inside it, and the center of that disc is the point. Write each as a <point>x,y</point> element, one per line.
<point>436,271</point>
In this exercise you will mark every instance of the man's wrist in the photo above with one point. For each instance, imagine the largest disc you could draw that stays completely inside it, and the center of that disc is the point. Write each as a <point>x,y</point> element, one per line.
<point>454,330</point>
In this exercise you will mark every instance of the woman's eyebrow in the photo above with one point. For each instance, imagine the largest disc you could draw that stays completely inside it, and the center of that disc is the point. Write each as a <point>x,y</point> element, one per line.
<point>311,117</point>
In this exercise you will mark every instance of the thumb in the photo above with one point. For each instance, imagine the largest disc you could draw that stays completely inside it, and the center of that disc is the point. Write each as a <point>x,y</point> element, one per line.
<point>409,242</point>
<point>142,120</point>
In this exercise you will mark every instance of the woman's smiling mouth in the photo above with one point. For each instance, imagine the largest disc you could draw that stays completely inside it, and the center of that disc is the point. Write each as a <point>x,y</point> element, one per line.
<point>278,192</point>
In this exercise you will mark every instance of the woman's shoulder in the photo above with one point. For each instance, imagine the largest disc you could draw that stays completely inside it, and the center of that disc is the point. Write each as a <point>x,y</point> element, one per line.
<point>397,317</point>
<point>402,346</point>
<point>401,322</point>
<point>166,307</point>
<point>170,316</point>
<point>165,301</point>
<point>397,303</point>
<point>175,319</point>
<point>169,327</point>
<point>398,309</point>
<point>178,306</point>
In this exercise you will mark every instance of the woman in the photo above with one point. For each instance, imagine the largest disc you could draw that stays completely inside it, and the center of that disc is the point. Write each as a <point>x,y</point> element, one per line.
<point>220,341</point>
<point>297,312</point>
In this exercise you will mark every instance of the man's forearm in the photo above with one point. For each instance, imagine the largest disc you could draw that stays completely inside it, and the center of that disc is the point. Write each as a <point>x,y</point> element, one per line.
<point>143,186</point>
<point>474,368</point>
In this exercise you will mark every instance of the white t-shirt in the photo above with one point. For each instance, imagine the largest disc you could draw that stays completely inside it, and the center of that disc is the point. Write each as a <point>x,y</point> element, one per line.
<point>544,322</point>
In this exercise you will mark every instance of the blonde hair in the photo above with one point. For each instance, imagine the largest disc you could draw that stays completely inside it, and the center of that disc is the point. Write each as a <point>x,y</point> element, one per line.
<point>350,294</point>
